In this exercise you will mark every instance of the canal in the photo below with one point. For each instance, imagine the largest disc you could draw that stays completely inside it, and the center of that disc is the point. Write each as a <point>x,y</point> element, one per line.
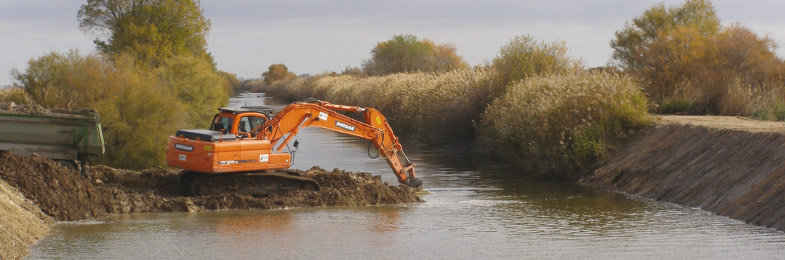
<point>473,211</point>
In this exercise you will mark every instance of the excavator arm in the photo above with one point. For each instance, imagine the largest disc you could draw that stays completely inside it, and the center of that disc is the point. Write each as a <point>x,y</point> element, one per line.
<point>314,113</point>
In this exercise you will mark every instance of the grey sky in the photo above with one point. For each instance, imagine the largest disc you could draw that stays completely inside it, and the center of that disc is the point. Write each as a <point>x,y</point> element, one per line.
<point>316,36</point>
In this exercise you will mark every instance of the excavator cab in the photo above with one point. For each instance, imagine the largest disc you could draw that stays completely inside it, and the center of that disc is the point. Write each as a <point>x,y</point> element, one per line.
<point>240,121</point>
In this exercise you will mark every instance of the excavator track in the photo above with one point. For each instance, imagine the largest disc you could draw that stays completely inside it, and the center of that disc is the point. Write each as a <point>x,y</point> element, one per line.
<point>259,183</point>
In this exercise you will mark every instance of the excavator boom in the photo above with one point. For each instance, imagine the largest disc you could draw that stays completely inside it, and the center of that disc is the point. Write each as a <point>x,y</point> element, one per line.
<point>314,113</point>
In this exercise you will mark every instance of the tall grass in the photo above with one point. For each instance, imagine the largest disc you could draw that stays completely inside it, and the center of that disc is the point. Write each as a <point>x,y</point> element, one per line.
<point>562,123</point>
<point>436,108</point>
<point>762,101</point>
<point>555,124</point>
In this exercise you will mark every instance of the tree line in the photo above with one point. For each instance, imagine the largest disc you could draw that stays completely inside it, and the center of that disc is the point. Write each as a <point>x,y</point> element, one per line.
<point>685,60</point>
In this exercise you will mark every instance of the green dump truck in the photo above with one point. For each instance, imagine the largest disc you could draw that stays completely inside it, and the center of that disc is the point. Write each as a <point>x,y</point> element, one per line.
<point>71,138</point>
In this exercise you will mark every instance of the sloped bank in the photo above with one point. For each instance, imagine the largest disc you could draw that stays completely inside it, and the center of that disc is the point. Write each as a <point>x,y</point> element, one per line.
<point>731,166</point>
<point>21,221</point>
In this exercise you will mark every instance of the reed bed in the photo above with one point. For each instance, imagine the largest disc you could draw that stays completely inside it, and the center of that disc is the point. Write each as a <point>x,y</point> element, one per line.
<point>555,124</point>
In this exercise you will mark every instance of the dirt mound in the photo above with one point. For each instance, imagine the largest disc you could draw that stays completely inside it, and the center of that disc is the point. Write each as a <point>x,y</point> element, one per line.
<point>59,192</point>
<point>68,195</point>
<point>41,110</point>
<point>711,164</point>
<point>22,223</point>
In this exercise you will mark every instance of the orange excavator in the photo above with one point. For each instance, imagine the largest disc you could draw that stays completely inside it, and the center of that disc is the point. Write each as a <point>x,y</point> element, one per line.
<point>243,151</point>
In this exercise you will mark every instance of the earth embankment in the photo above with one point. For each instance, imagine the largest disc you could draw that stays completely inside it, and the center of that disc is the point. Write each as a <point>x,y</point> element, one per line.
<point>22,223</point>
<point>731,166</point>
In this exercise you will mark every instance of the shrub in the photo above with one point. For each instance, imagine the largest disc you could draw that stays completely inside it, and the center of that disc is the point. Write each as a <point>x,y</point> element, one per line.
<point>14,94</point>
<point>524,57</point>
<point>560,124</point>
<point>675,105</point>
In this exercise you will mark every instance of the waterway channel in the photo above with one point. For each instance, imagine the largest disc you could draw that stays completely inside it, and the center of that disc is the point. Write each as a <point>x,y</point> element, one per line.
<point>473,211</point>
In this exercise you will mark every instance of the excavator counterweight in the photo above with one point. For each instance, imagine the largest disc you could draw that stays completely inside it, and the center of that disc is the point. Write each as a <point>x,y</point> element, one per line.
<point>244,144</point>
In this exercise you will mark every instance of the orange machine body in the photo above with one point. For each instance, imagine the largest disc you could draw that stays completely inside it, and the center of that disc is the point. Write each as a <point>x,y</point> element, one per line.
<point>226,152</point>
<point>224,156</point>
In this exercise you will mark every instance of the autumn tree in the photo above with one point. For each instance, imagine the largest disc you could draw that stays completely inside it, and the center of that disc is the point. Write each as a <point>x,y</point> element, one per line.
<point>445,57</point>
<point>662,45</point>
<point>688,62</point>
<point>62,80</point>
<point>277,72</point>
<point>406,53</point>
<point>152,30</point>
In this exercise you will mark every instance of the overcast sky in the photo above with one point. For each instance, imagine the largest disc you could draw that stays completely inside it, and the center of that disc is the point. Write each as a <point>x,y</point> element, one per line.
<point>316,36</point>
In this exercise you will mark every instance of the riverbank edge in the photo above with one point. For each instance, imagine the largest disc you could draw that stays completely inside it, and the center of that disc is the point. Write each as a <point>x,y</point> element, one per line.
<point>729,166</point>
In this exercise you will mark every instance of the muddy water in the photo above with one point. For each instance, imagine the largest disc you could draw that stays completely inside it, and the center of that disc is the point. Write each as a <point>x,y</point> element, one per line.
<point>474,211</point>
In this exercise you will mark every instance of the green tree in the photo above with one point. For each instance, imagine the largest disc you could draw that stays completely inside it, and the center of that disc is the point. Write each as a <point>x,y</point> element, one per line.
<point>152,30</point>
<point>232,84</point>
<point>277,72</point>
<point>405,53</point>
<point>192,81</point>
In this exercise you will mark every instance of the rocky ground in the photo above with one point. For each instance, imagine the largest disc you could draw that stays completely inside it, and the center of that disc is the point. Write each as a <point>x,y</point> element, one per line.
<point>43,191</point>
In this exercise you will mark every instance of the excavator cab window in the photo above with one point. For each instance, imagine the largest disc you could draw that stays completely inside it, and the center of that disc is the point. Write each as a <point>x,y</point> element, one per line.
<point>222,123</point>
<point>255,121</point>
<point>248,123</point>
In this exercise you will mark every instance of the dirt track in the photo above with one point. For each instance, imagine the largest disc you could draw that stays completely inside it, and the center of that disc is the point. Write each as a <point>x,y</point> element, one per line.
<point>731,166</point>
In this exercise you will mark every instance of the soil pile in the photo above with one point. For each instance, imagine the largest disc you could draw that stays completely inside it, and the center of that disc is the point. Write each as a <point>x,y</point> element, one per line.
<point>22,223</point>
<point>68,195</point>
<point>730,166</point>
<point>41,110</point>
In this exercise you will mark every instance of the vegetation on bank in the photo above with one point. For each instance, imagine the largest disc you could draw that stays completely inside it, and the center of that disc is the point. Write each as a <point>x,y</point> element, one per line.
<point>534,107</point>
<point>152,75</point>
<point>562,123</point>
<point>435,108</point>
